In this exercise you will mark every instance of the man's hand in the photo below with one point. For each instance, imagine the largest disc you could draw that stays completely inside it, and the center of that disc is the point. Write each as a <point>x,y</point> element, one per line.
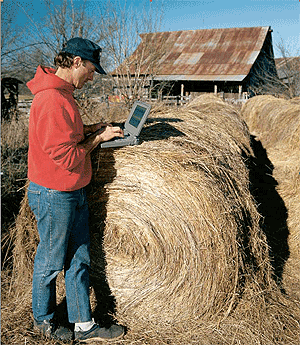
<point>110,132</point>
<point>104,132</point>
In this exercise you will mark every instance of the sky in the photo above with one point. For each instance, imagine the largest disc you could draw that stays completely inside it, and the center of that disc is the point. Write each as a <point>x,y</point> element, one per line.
<point>282,15</point>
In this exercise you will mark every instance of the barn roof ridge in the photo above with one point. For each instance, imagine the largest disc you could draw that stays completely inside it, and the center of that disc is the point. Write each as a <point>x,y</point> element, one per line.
<point>232,28</point>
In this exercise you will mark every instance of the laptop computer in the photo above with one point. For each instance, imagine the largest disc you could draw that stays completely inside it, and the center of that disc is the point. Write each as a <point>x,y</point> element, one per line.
<point>132,127</point>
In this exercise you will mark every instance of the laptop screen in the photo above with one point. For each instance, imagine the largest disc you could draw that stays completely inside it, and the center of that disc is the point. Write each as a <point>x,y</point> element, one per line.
<point>132,127</point>
<point>137,116</point>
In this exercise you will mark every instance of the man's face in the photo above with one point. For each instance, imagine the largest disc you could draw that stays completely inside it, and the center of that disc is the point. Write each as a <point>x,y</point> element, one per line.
<point>83,73</point>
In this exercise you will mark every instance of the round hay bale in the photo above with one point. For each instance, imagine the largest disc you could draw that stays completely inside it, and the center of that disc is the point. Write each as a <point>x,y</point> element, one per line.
<point>251,111</point>
<point>290,192</point>
<point>182,241</point>
<point>295,100</point>
<point>287,173</point>
<point>182,249</point>
<point>273,120</point>
<point>222,118</point>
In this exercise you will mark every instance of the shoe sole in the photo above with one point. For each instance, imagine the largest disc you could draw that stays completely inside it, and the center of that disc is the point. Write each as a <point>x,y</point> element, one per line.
<point>84,341</point>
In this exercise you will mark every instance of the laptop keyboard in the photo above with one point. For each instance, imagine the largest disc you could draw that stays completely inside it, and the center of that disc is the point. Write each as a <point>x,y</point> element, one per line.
<point>120,138</point>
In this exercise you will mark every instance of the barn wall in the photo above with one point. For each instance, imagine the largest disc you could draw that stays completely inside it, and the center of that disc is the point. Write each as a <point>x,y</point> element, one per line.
<point>263,71</point>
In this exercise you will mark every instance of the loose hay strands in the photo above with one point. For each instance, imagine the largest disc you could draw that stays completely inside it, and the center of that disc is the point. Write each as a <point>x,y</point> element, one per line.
<point>184,256</point>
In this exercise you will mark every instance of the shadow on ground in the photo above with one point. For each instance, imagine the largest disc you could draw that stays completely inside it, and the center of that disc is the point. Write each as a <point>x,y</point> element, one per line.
<point>270,206</point>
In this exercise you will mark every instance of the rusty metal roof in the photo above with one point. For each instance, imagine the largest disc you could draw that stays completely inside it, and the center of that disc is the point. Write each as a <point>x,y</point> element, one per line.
<point>210,54</point>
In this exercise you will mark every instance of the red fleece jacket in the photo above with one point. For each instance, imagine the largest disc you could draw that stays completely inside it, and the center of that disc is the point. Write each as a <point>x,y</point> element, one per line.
<point>55,128</point>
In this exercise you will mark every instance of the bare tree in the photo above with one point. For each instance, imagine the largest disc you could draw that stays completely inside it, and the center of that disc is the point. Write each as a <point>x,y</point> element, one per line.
<point>131,53</point>
<point>117,27</point>
<point>39,41</point>
<point>285,82</point>
<point>11,36</point>
<point>288,69</point>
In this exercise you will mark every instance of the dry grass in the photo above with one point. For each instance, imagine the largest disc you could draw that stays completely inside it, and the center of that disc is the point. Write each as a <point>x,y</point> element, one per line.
<point>14,146</point>
<point>92,111</point>
<point>184,256</point>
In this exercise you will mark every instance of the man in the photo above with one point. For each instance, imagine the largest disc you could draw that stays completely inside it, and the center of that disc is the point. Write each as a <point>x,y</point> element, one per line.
<point>59,167</point>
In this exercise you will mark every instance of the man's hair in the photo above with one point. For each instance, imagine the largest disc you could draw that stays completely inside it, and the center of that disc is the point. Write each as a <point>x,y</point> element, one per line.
<point>65,60</point>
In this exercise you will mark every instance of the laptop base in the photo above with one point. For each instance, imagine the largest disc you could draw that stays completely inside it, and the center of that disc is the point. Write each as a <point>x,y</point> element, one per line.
<point>130,140</point>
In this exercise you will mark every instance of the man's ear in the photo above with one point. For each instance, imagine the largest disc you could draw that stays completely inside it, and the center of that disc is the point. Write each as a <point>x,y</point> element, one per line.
<point>77,61</point>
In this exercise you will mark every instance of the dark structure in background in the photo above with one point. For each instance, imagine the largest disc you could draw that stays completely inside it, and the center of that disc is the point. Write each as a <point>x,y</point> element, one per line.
<point>231,61</point>
<point>288,69</point>
<point>9,97</point>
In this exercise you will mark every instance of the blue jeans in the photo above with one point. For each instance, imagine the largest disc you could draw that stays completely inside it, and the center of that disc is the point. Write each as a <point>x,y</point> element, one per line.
<point>62,221</point>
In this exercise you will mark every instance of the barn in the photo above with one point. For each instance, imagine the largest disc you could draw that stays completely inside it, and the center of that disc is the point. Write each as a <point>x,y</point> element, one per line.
<point>231,61</point>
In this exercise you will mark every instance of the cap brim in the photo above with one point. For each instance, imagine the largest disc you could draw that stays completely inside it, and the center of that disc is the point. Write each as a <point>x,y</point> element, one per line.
<point>99,69</point>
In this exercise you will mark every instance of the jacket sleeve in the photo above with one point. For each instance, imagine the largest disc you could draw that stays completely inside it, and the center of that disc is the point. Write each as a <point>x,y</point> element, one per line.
<point>59,131</point>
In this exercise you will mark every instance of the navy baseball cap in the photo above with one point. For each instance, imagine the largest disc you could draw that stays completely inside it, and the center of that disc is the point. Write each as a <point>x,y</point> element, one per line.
<point>86,49</point>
